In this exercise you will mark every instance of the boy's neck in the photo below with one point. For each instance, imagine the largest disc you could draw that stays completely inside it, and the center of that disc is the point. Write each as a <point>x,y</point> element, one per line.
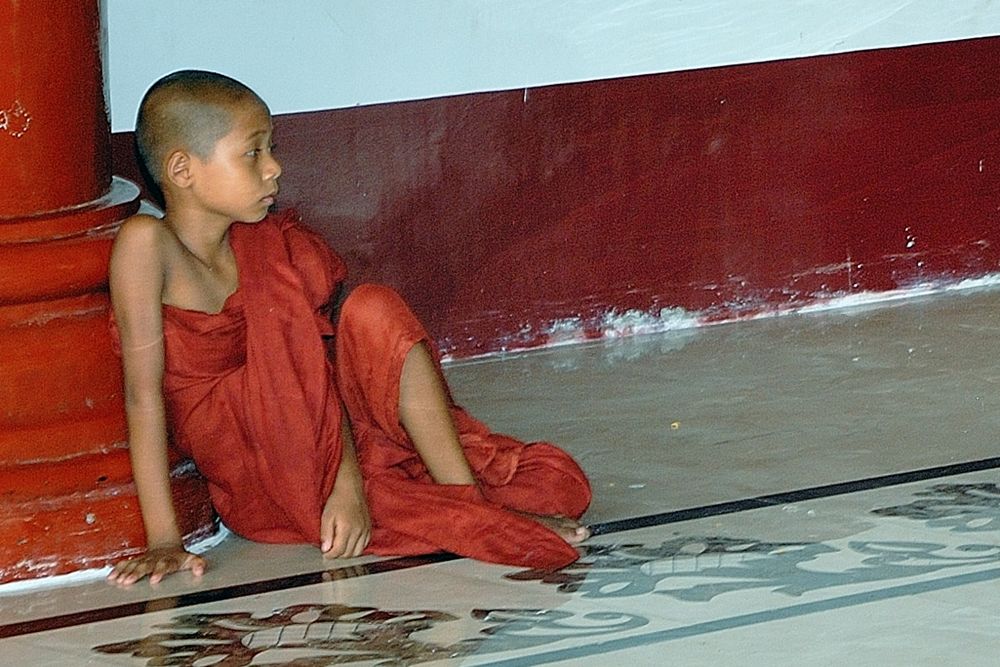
<point>192,220</point>
<point>202,234</point>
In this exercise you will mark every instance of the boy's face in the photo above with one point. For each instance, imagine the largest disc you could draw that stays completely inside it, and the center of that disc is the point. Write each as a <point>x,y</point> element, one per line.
<point>239,180</point>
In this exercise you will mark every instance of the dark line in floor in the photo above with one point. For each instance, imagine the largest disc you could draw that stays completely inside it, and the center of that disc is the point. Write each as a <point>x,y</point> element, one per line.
<point>218,594</point>
<point>405,563</point>
<point>798,496</point>
<point>746,620</point>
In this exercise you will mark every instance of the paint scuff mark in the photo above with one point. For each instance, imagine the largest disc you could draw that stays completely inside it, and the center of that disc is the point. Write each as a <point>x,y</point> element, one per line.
<point>615,323</point>
<point>827,270</point>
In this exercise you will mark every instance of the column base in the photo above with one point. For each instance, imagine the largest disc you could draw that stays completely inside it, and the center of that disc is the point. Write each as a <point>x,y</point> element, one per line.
<point>67,500</point>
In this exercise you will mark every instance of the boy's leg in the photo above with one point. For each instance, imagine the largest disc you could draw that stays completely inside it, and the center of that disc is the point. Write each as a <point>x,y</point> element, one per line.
<point>425,413</point>
<point>375,332</point>
<point>547,485</point>
<point>391,383</point>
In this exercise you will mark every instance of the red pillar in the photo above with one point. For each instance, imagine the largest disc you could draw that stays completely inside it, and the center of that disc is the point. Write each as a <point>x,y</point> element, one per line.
<point>66,497</point>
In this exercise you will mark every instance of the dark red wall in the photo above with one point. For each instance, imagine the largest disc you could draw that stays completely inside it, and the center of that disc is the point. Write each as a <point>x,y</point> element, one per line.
<point>726,191</point>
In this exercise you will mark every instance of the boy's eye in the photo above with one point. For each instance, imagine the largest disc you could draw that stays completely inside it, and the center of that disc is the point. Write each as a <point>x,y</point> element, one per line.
<point>254,152</point>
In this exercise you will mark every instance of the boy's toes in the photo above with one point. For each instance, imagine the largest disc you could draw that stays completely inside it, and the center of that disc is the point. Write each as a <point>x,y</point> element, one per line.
<point>572,531</point>
<point>580,534</point>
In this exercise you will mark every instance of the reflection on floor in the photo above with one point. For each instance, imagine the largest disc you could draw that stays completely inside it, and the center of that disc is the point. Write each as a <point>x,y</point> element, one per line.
<point>813,489</point>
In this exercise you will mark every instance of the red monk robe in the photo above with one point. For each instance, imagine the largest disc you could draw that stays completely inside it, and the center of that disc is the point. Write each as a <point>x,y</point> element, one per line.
<point>254,399</point>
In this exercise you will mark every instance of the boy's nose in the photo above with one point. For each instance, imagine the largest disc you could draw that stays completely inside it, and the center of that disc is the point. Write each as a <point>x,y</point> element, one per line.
<point>273,169</point>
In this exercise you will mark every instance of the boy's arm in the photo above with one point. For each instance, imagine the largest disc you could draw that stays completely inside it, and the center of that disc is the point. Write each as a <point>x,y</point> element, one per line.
<point>345,527</point>
<point>136,278</point>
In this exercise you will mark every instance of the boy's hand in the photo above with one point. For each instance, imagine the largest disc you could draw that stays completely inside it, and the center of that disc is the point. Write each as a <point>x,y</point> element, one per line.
<point>157,563</point>
<point>345,527</point>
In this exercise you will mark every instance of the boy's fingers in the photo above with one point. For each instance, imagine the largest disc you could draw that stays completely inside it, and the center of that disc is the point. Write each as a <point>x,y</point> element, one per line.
<point>340,540</point>
<point>342,543</point>
<point>364,537</point>
<point>330,540</point>
<point>197,564</point>
<point>350,545</point>
<point>326,534</point>
<point>132,572</point>
<point>363,542</point>
<point>124,566</point>
<point>161,568</point>
<point>128,572</point>
<point>357,544</point>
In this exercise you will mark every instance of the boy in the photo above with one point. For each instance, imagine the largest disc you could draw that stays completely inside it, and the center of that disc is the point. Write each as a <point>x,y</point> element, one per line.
<point>221,317</point>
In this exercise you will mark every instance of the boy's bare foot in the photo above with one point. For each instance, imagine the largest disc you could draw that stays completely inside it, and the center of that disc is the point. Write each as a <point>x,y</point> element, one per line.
<point>570,530</point>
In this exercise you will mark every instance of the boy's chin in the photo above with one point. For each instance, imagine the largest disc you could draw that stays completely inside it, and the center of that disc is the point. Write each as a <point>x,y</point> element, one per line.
<point>256,218</point>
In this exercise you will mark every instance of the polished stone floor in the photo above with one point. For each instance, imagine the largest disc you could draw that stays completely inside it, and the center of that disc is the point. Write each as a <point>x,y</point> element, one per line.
<point>808,489</point>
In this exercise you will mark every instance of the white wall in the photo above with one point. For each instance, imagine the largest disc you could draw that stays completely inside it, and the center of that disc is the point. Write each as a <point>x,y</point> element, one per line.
<point>303,55</point>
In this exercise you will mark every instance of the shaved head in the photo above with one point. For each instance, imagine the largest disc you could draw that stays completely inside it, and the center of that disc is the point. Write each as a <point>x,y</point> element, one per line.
<point>187,110</point>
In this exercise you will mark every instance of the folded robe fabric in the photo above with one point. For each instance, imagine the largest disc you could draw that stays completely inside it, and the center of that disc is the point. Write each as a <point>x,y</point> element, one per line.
<point>253,396</point>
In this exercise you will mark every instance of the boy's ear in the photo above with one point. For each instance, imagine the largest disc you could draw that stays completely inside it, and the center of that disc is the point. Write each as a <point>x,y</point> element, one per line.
<point>178,168</point>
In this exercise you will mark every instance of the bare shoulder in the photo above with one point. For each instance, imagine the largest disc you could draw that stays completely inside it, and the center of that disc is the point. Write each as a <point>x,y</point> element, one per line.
<point>142,242</point>
<point>139,252</point>
<point>140,232</point>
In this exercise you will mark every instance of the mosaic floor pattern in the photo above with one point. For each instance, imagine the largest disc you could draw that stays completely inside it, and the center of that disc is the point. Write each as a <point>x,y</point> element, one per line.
<point>750,582</point>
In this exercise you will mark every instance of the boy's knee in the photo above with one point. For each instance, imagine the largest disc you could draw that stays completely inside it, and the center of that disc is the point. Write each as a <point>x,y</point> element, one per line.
<point>369,305</point>
<point>377,318</point>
